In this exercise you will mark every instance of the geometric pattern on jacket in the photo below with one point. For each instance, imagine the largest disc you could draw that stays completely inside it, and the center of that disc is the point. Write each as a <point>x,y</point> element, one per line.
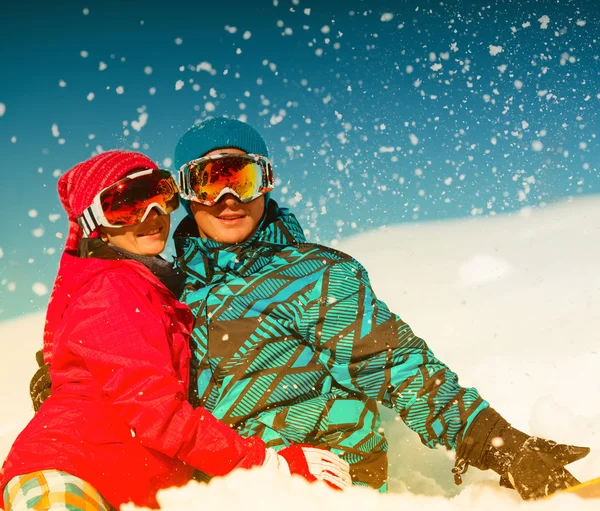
<point>292,345</point>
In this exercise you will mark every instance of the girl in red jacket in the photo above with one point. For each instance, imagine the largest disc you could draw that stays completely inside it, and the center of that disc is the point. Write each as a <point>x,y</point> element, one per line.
<point>118,426</point>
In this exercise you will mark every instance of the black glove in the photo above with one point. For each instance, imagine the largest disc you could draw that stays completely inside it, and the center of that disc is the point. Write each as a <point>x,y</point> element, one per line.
<point>41,383</point>
<point>531,465</point>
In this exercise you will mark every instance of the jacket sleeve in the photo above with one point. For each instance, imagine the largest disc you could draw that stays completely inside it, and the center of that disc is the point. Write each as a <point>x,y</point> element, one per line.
<point>114,328</point>
<point>371,351</point>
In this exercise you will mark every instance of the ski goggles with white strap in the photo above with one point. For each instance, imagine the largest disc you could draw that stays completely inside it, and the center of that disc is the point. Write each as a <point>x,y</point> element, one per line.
<point>207,179</point>
<point>130,200</point>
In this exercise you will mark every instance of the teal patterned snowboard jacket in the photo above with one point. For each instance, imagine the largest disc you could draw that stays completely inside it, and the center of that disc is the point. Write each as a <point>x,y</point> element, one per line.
<point>292,345</point>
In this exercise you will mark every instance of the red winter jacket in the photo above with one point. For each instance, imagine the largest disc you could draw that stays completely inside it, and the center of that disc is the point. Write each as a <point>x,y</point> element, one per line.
<point>118,416</point>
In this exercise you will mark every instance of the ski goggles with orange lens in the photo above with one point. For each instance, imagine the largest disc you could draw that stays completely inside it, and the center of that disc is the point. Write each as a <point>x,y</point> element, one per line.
<point>206,180</point>
<point>130,200</point>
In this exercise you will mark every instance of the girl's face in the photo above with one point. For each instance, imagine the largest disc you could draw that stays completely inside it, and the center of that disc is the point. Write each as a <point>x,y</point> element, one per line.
<point>228,221</point>
<point>146,238</point>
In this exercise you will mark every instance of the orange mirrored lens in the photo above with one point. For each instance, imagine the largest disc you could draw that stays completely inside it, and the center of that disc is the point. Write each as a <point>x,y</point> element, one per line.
<point>209,178</point>
<point>126,202</point>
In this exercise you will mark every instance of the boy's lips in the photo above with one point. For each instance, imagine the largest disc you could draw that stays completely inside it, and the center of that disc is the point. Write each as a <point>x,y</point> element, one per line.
<point>231,218</point>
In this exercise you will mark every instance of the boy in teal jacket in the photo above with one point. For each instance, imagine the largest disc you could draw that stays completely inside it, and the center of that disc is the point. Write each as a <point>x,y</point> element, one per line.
<point>291,343</point>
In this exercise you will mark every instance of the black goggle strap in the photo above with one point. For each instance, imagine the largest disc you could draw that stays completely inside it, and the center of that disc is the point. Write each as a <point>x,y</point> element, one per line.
<point>183,179</point>
<point>87,221</point>
<point>269,171</point>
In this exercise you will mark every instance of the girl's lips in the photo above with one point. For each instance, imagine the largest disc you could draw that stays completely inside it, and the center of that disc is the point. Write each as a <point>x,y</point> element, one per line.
<point>154,232</point>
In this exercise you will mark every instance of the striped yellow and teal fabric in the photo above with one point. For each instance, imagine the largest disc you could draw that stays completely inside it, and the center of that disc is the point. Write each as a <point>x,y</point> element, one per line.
<point>52,490</point>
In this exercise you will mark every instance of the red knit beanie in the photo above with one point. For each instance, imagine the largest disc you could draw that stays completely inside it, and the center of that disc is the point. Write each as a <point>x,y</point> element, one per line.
<point>78,187</point>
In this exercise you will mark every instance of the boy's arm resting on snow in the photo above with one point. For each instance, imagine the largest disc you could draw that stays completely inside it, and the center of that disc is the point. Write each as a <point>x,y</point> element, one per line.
<point>125,347</point>
<point>531,465</point>
<point>40,385</point>
<point>370,350</point>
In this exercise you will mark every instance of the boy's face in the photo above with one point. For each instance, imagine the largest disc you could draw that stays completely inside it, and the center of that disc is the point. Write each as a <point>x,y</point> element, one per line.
<point>228,221</point>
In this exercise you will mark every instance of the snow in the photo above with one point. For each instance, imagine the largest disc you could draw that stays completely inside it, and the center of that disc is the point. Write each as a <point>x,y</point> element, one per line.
<point>537,146</point>
<point>483,268</point>
<point>141,122</point>
<point>39,289</point>
<point>269,490</point>
<point>544,20</point>
<point>494,50</point>
<point>2,109</point>
<point>508,302</point>
<point>206,66</point>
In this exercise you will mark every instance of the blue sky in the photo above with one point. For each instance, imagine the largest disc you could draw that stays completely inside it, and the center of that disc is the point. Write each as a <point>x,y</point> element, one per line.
<point>376,113</point>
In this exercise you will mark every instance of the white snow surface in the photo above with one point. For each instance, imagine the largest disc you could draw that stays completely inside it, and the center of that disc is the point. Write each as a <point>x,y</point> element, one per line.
<point>510,303</point>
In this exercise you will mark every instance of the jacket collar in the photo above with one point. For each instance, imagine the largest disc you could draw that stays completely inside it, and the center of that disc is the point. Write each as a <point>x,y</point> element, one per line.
<point>208,260</point>
<point>172,278</point>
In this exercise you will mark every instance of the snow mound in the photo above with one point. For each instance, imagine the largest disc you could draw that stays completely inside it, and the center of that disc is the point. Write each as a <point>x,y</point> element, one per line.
<point>269,491</point>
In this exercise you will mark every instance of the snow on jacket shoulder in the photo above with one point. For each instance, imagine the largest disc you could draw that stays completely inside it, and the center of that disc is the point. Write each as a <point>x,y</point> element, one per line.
<point>118,416</point>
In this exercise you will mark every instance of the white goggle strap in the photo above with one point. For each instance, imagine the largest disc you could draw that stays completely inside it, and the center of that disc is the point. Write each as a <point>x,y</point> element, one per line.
<point>87,221</point>
<point>92,217</point>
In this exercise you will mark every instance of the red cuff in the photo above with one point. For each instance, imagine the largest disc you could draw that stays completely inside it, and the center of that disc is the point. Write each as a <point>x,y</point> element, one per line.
<point>256,452</point>
<point>297,461</point>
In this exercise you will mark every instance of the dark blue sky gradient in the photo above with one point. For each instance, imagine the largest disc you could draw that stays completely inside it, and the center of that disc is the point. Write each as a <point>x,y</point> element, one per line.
<point>371,121</point>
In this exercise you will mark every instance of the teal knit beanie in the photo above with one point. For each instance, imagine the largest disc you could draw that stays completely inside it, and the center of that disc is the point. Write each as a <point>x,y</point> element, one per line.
<point>216,133</point>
